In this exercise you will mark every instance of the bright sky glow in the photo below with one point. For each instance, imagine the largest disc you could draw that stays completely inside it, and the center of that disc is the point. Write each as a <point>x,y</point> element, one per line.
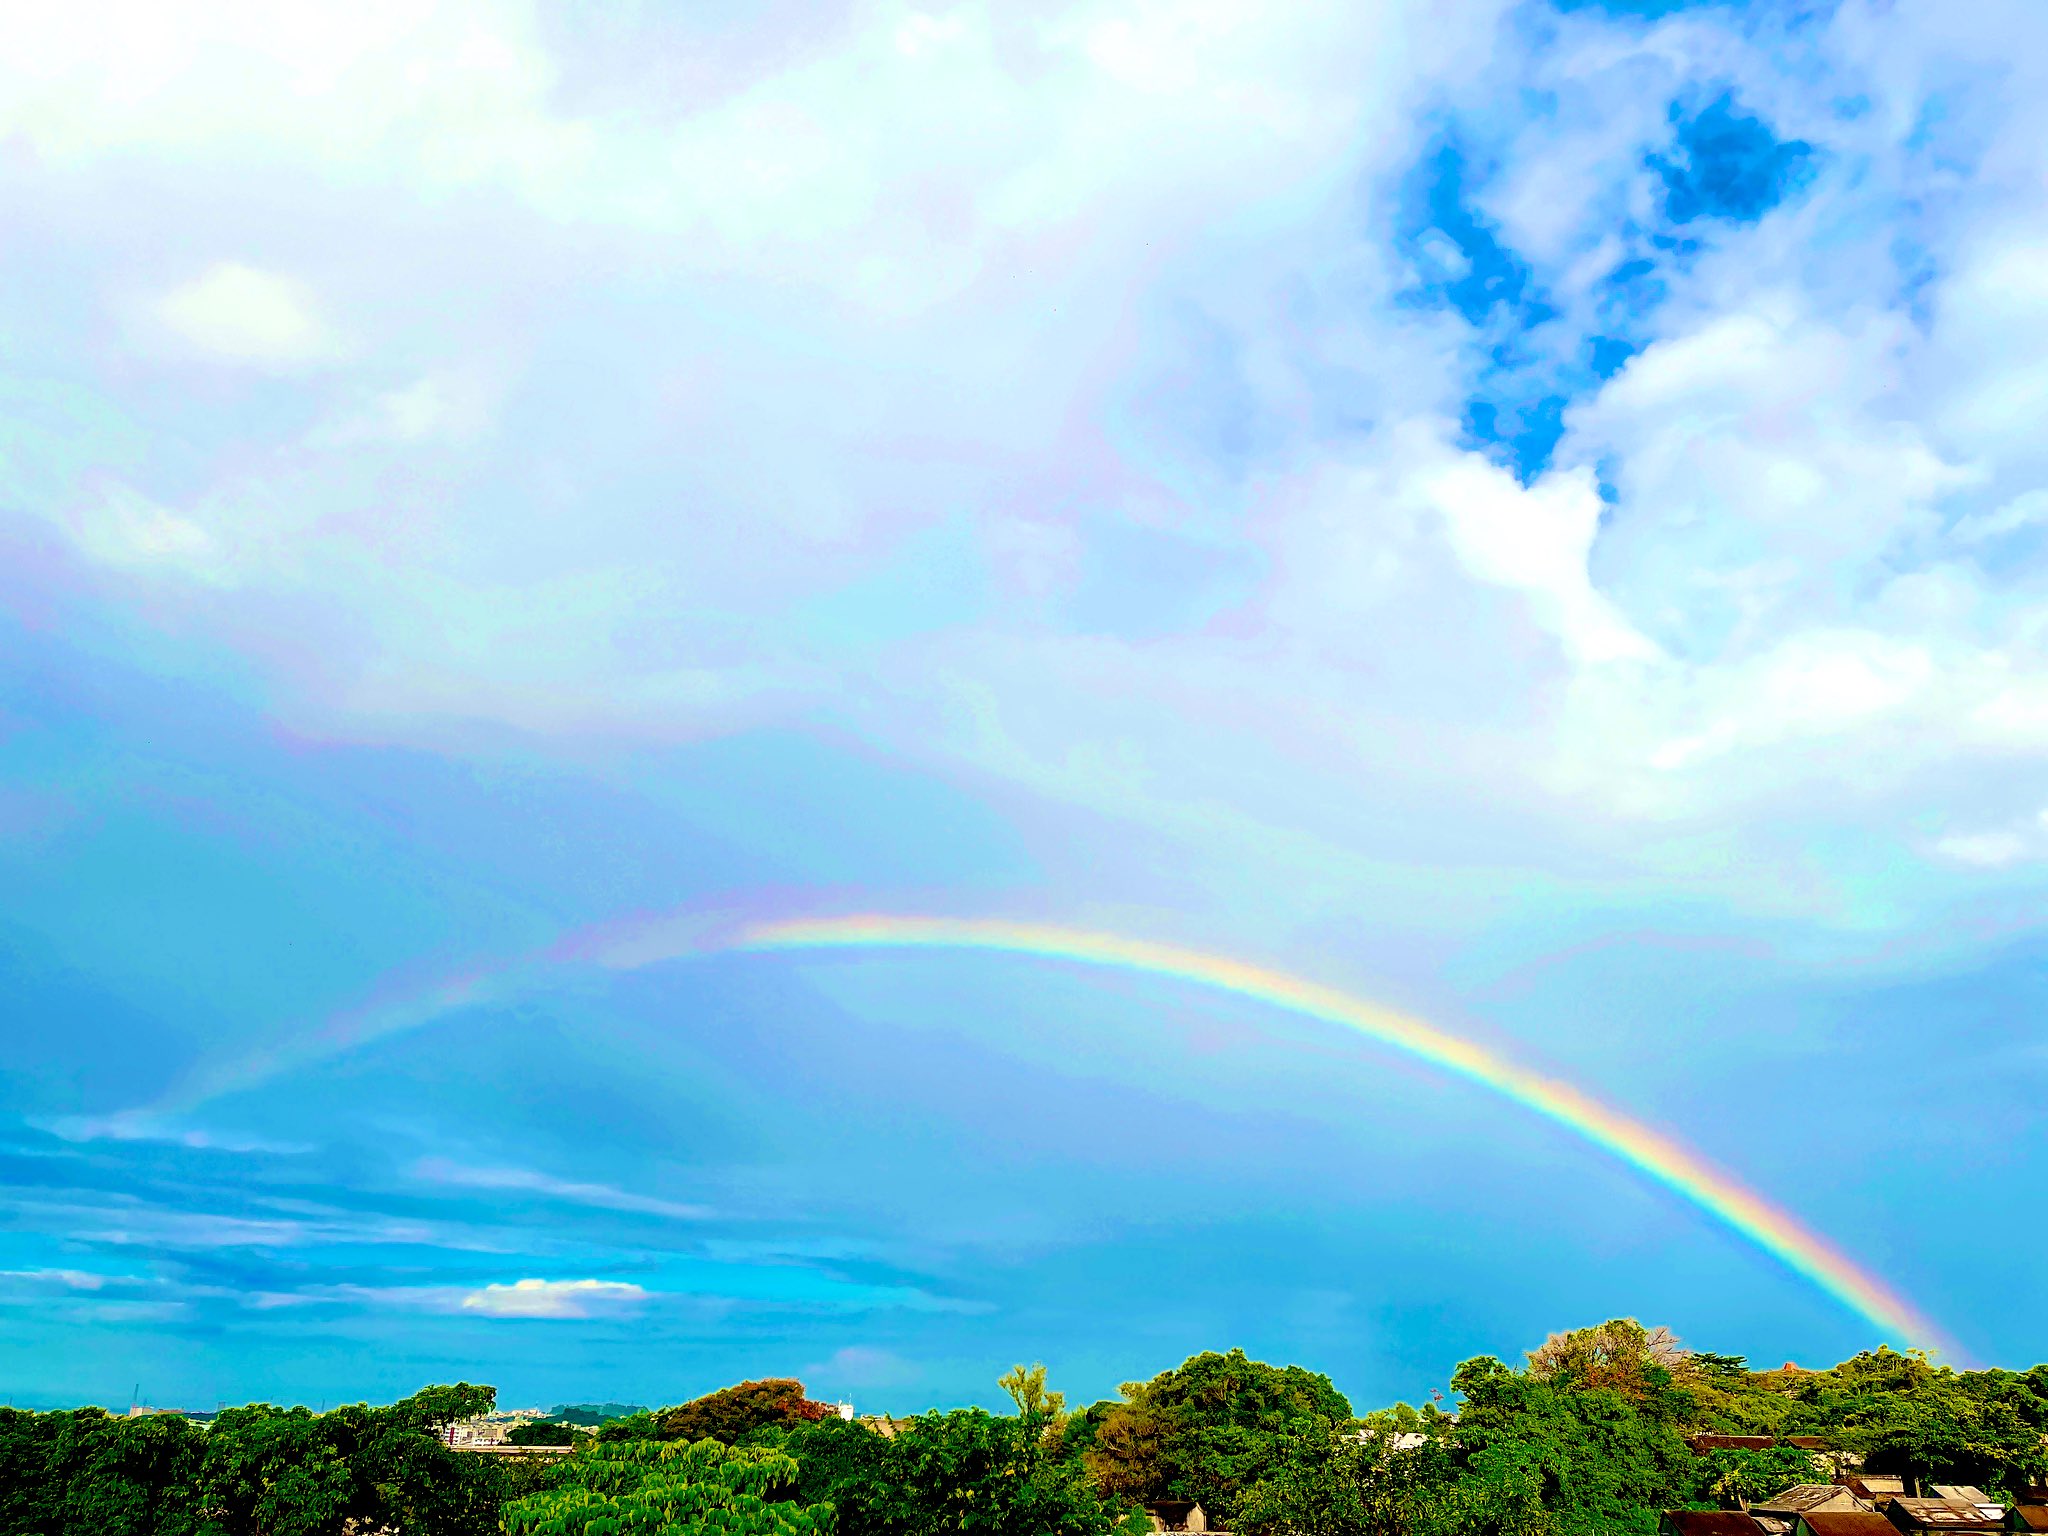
<point>1528,513</point>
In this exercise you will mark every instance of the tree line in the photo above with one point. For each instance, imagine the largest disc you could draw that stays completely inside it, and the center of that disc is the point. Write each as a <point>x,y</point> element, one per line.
<point>1588,1434</point>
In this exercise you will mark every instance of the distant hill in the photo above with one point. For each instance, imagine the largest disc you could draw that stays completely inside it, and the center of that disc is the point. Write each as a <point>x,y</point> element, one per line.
<point>590,1415</point>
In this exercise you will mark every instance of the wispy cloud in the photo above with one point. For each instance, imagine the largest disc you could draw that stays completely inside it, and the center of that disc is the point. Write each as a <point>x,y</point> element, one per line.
<point>179,1221</point>
<point>438,1170</point>
<point>133,1125</point>
<point>25,1283</point>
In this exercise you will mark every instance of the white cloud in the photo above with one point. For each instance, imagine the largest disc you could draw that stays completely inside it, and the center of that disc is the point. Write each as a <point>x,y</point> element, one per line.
<point>242,314</point>
<point>121,527</point>
<point>1988,850</point>
<point>455,89</point>
<point>1535,539</point>
<point>889,167</point>
<point>947,265</point>
<point>560,1299</point>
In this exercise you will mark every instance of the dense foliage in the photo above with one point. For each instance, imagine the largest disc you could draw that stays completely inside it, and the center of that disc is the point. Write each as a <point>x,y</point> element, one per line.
<point>1205,1430</point>
<point>959,1471</point>
<point>256,1471</point>
<point>653,1488</point>
<point>590,1415</point>
<point>1589,1434</point>
<point>1592,1436</point>
<point>541,1432</point>
<point>730,1412</point>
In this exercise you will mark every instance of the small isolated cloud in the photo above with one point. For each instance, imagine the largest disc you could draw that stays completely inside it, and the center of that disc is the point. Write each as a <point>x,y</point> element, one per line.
<point>862,1365</point>
<point>246,315</point>
<point>562,1299</point>
<point>528,1180</point>
<point>1985,850</point>
<point>124,528</point>
<point>1997,847</point>
<point>451,407</point>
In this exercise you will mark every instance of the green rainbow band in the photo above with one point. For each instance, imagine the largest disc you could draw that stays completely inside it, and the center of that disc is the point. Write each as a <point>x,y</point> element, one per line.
<point>1670,1164</point>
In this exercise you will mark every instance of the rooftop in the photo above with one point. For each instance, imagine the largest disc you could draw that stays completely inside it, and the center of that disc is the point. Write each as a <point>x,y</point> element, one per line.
<point>1938,1515</point>
<point>1801,1497</point>
<point>1710,1522</point>
<point>1847,1522</point>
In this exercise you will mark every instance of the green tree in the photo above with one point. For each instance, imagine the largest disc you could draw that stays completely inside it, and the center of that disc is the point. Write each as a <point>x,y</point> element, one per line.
<point>649,1488</point>
<point>731,1412</point>
<point>1589,1437</point>
<point>436,1408</point>
<point>966,1470</point>
<point>1911,1417</point>
<point>1207,1429</point>
<point>286,1472</point>
<point>591,1415</point>
<point>87,1472</point>
<point>1602,1458</point>
<point>1732,1478</point>
<point>274,1471</point>
<point>1026,1386</point>
<point>540,1432</point>
<point>1381,1483</point>
<point>947,1473</point>
<point>1619,1355</point>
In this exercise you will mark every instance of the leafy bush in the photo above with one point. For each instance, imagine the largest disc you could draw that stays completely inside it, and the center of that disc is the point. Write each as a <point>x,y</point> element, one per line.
<point>651,1488</point>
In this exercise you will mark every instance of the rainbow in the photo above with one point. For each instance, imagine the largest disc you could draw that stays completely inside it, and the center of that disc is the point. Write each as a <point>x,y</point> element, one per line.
<point>1664,1160</point>
<point>641,943</point>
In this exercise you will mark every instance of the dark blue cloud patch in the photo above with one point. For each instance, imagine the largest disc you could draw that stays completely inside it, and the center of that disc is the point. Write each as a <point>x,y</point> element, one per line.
<point>1725,164</point>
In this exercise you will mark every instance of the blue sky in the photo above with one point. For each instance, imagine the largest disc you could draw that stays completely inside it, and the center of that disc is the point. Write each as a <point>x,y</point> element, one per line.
<point>1528,513</point>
